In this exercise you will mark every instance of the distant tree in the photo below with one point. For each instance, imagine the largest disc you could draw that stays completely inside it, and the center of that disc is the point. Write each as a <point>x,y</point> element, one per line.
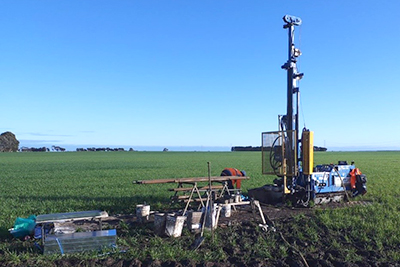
<point>57,148</point>
<point>246,148</point>
<point>8,142</point>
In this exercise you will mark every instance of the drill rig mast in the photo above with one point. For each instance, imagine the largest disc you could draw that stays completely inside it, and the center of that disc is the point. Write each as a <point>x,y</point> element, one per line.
<point>289,124</point>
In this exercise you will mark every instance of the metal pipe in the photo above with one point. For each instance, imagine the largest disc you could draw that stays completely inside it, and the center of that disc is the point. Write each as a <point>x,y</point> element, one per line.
<point>289,107</point>
<point>191,180</point>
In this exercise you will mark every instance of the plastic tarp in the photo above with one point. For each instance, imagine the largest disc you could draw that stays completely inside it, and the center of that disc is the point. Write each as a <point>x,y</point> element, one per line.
<point>23,226</point>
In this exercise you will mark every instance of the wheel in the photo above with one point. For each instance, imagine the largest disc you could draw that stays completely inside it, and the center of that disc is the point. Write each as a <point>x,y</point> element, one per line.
<point>275,156</point>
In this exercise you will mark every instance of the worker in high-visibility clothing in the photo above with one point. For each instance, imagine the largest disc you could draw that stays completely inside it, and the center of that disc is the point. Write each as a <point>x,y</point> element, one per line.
<point>357,182</point>
<point>233,172</point>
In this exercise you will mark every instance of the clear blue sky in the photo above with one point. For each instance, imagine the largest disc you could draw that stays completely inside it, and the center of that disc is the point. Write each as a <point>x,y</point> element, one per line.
<point>196,73</point>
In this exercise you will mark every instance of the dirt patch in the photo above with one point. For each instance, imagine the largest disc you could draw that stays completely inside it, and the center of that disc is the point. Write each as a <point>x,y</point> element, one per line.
<point>274,213</point>
<point>240,214</point>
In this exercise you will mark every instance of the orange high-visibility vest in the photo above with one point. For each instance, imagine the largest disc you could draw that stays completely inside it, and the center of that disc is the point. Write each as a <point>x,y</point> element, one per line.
<point>233,172</point>
<point>353,177</point>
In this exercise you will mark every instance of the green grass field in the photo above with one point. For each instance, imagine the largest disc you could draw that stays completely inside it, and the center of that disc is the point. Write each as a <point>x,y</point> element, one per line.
<point>40,183</point>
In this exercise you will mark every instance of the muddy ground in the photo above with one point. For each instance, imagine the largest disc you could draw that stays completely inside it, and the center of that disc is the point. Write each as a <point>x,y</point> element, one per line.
<point>243,224</point>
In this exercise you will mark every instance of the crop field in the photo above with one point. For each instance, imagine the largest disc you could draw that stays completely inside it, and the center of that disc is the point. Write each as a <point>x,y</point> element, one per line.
<point>41,183</point>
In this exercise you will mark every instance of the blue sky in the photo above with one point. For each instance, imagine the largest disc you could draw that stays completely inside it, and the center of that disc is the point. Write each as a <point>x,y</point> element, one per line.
<point>196,73</point>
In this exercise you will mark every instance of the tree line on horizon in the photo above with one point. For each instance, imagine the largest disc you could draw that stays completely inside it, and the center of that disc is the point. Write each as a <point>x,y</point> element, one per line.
<point>258,148</point>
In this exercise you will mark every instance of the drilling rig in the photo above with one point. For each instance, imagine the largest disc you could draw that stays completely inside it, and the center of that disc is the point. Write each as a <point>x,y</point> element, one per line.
<point>288,152</point>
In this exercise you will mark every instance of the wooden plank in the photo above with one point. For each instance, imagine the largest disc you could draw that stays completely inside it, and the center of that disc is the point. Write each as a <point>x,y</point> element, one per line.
<point>188,189</point>
<point>186,198</point>
<point>194,200</point>
<point>191,180</point>
<point>212,187</point>
<point>180,197</point>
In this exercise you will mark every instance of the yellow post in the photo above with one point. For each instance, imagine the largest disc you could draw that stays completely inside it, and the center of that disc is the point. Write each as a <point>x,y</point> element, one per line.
<point>308,152</point>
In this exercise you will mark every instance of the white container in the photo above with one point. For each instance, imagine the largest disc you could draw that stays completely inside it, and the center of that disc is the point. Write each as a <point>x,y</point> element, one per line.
<point>226,210</point>
<point>174,225</point>
<point>238,198</point>
<point>142,212</point>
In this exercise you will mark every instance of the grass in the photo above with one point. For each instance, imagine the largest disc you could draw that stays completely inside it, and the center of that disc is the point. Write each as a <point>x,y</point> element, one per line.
<point>39,183</point>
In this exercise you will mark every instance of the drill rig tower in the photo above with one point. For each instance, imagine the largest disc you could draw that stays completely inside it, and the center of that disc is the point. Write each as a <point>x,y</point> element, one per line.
<point>288,153</point>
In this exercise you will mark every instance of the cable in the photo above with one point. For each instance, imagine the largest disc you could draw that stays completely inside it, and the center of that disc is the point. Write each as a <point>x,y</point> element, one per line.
<point>344,187</point>
<point>300,27</point>
<point>287,242</point>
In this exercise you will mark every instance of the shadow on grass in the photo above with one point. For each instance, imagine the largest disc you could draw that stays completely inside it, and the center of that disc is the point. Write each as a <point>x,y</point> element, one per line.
<point>4,234</point>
